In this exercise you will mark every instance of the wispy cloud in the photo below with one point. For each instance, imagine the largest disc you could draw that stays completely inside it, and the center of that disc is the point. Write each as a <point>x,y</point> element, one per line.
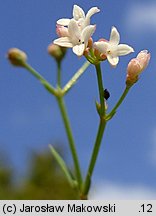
<point>108,190</point>
<point>141,17</point>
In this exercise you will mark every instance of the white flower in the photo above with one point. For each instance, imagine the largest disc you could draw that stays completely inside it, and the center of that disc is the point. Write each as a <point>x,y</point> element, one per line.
<point>112,49</point>
<point>76,39</point>
<point>79,16</point>
<point>76,32</point>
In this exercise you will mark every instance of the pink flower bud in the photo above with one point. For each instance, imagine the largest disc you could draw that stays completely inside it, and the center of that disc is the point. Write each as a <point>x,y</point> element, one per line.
<point>136,66</point>
<point>143,58</point>
<point>62,31</point>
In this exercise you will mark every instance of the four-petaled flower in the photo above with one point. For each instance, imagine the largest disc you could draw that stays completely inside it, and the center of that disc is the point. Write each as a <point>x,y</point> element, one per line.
<point>75,32</point>
<point>75,37</point>
<point>112,49</point>
<point>80,17</point>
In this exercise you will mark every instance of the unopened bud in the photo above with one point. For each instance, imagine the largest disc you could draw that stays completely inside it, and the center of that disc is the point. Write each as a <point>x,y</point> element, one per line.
<point>17,57</point>
<point>62,31</point>
<point>136,66</point>
<point>90,42</point>
<point>99,56</point>
<point>56,51</point>
<point>96,53</point>
<point>103,56</point>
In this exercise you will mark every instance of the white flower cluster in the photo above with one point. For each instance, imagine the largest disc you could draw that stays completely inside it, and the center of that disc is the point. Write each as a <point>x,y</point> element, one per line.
<point>75,33</point>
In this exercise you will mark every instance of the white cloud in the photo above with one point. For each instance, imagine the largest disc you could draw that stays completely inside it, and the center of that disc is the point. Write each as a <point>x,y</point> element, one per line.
<point>141,17</point>
<point>110,191</point>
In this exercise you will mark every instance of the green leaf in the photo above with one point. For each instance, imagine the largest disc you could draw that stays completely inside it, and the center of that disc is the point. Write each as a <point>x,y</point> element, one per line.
<point>63,166</point>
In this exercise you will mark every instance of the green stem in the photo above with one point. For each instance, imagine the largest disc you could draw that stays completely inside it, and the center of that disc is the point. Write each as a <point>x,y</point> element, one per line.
<point>111,114</point>
<point>95,152</point>
<point>59,74</point>
<point>99,136</point>
<point>59,96</point>
<point>101,89</point>
<point>76,76</point>
<point>46,84</point>
<point>70,139</point>
<point>92,53</point>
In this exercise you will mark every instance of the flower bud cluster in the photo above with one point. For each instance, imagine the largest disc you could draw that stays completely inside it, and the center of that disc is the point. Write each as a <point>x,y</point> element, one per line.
<point>76,33</point>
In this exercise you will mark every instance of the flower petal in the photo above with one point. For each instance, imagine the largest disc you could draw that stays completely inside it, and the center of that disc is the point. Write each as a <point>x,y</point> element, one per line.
<point>87,33</point>
<point>81,23</point>
<point>74,32</point>
<point>143,57</point>
<point>63,22</point>
<point>142,54</point>
<point>90,13</point>
<point>78,12</point>
<point>124,49</point>
<point>133,68</point>
<point>63,41</point>
<point>79,49</point>
<point>114,36</point>
<point>101,46</point>
<point>113,60</point>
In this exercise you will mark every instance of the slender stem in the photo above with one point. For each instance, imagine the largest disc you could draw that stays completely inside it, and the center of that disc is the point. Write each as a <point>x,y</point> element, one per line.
<point>76,76</point>
<point>110,115</point>
<point>99,136</point>
<point>101,89</point>
<point>95,152</point>
<point>59,74</point>
<point>70,139</point>
<point>46,84</point>
<point>67,126</point>
<point>59,97</point>
<point>92,52</point>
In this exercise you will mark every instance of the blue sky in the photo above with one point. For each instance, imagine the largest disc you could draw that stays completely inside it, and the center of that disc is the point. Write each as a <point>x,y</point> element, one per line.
<point>29,116</point>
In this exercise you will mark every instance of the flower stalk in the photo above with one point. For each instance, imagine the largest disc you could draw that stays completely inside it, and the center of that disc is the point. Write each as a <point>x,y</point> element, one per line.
<point>121,99</point>
<point>67,126</point>
<point>44,82</point>
<point>59,74</point>
<point>101,90</point>
<point>65,118</point>
<point>99,136</point>
<point>93,160</point>
<point>76,76</point>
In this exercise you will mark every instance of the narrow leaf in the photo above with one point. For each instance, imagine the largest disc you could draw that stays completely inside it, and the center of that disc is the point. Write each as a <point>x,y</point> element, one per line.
<point>63,166</point>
